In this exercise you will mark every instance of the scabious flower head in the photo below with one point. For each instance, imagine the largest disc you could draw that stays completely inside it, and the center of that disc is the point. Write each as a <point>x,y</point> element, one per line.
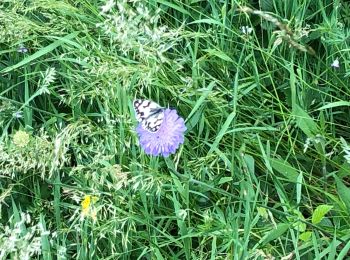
<point>167,139</point>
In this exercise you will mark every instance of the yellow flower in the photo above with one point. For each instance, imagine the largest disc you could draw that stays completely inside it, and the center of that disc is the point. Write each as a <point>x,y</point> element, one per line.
<point>87,206</point>
<point>21,138</point>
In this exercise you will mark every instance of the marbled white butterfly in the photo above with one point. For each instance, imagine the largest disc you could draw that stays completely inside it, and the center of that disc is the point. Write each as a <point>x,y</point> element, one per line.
<point>149,113</point>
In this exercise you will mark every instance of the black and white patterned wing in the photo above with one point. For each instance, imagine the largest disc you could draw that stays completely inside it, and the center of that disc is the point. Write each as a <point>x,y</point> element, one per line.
<point>153,123</point>
<point>149,113</point>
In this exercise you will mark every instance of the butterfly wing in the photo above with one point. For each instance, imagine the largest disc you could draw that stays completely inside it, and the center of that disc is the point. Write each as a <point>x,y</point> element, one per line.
<point>153,122</point>
<point>149,113</point>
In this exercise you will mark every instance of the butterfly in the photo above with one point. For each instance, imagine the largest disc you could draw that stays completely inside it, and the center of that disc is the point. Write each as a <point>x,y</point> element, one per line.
<point>149,113</point>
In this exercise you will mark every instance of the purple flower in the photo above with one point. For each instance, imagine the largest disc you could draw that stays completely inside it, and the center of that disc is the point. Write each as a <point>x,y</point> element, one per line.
<point>167,139</point>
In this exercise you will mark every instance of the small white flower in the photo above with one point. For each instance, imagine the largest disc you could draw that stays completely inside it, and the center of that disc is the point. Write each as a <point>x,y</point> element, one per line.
<point>22,49</point>
<point>182,214</point>
<point>246,29</point>
<point>335,63</point>
<point>307,144</point>
<point>61,251</point>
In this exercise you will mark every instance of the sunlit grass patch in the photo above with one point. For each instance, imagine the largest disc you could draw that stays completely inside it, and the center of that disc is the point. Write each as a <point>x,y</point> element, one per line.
<point>259,166</point>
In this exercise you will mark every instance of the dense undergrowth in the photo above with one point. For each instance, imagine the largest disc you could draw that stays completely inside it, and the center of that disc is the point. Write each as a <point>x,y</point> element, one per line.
<point>264,169</point>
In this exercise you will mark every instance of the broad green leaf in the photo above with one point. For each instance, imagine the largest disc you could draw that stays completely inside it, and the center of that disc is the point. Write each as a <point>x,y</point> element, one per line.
<point>305,236</point>
<point>249,160</point>
<point>300,226</point>
<point>305,122</point>
<point>284,168</point>
<point>319,213</point>
<point>262,212</point>
<point>225,179</point>
<point>219,54</point>
<point>335,104</point>
<point>344,192</point>
<point>344,170</point>
<point>298,220</point>
<point>194,119</point>
<point>276,233</point>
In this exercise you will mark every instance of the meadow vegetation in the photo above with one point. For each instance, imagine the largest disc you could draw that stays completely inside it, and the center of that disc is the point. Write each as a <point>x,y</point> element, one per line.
<point>263,87</point>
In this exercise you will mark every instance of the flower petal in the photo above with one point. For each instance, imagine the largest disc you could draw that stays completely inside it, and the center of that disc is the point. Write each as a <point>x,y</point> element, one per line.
<point>167,139</point>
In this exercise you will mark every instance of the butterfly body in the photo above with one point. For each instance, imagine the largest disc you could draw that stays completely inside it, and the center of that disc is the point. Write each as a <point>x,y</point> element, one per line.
<point>149,113</point>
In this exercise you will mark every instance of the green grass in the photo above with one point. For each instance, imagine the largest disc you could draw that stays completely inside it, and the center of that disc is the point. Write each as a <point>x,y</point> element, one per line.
<point>263,171</point>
